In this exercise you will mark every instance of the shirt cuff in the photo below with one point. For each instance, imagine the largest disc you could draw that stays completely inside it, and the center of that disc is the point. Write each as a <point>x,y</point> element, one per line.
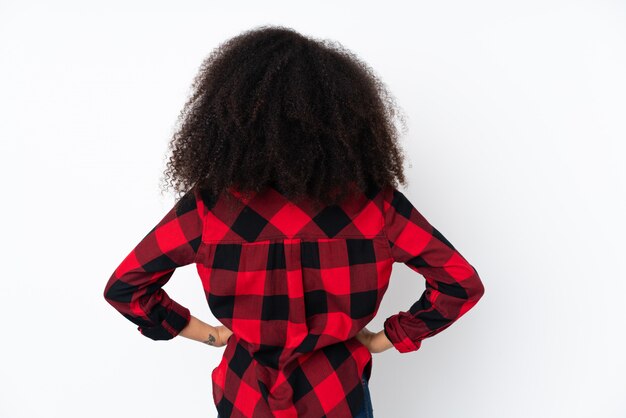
<point>176,319</point>
<point>398,337</point>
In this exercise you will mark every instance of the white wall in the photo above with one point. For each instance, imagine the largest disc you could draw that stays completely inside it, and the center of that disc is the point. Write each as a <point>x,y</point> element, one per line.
<point>516,145</point>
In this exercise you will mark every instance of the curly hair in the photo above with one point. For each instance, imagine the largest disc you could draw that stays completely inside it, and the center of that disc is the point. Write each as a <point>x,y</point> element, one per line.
<point>271,107</point>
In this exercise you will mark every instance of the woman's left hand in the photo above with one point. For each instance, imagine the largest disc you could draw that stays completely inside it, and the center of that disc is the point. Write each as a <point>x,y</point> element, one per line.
<point>223,334</point>
<point>201,331</point>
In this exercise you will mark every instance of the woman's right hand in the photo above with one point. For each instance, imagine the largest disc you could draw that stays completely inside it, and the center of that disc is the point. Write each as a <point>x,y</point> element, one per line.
<point>376,342</point>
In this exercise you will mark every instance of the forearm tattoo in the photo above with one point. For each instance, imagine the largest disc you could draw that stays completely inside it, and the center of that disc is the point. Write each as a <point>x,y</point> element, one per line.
<point>211,340</point>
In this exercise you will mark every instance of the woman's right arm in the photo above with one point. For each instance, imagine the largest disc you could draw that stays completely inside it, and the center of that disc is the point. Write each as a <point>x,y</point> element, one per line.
<point>453,286</point>
<point>376,342</point>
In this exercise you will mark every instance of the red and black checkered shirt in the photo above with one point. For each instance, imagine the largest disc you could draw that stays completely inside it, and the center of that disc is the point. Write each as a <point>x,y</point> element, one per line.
<point>295,285</point>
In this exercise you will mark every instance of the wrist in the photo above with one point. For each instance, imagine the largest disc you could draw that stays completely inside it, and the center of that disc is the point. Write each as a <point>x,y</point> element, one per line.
<point>381,342</point>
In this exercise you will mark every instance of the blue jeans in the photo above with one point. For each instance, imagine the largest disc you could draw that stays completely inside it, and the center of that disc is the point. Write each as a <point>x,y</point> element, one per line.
<point>367,411</point>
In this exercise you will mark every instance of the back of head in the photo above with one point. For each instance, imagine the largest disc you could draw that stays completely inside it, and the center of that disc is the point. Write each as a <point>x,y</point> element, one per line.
<point>272,107</point>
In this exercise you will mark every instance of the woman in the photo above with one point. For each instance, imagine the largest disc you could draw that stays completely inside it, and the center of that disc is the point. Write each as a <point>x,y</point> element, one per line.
<point>287,161</point>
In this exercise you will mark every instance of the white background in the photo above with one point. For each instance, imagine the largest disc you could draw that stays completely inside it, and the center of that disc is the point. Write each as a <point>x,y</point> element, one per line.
<point>517,115</point>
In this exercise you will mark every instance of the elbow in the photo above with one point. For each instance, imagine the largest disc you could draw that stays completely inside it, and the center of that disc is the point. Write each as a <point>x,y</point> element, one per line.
<point>105,294</point>
<point>115,291</point>
<point>476,289</point>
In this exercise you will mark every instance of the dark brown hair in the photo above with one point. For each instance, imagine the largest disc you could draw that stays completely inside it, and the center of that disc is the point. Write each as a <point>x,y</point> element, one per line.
<point>271,107</point>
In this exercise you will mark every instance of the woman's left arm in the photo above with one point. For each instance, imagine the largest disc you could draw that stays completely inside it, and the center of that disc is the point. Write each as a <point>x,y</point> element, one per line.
<point>205,333</point>
<point>135,287</point>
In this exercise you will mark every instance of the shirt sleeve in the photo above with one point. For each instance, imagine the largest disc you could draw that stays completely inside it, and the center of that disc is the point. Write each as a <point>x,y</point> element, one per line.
<point>135,287</point>
<point>452,284</point>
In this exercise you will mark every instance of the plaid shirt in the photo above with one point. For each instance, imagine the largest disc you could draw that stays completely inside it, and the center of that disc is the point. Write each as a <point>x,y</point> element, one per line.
<point>295,285</point>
